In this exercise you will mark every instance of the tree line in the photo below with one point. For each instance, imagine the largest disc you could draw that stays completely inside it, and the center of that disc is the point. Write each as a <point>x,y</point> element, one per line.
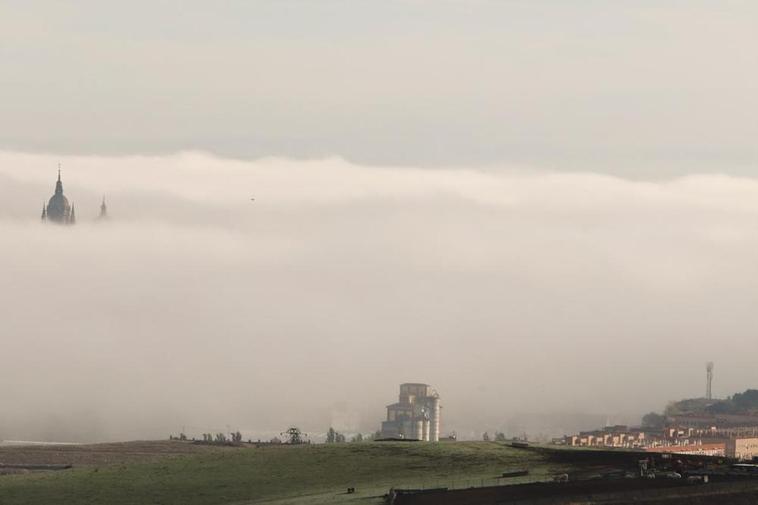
<point>335,437</point>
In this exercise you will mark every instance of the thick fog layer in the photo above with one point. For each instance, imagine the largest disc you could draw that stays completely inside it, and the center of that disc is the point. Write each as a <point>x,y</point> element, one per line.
<point>515,295</point>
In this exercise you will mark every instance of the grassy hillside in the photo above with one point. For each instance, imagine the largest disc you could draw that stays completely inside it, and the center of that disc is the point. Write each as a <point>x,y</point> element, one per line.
<point>299,475</point>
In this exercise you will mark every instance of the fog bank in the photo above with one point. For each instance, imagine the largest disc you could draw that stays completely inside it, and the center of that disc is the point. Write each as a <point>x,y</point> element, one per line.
<point>513,292</point>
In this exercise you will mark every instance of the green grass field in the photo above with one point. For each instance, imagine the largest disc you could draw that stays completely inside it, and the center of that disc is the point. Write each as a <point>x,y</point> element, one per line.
<point>314,474</point>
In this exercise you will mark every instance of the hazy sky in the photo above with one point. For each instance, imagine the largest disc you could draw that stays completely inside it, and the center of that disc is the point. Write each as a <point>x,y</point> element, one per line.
<point>634,88</point>
<point>534,206</point>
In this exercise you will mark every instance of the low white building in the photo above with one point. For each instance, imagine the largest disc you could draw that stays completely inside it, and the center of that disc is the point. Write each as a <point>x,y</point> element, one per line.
<point>742,448</point>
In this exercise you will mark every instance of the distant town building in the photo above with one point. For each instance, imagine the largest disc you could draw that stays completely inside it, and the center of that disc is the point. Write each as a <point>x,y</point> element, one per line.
<point>416,415</point>
<point>706,435</point>
<point>695,449</point>
<point>610,436</point>
<point>742,448</point>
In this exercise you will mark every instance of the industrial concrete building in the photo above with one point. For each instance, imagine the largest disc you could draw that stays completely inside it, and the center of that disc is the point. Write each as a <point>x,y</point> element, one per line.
<point>416,415</point>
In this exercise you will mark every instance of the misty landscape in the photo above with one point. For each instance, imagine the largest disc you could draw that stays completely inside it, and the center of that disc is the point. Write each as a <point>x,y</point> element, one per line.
<point>514,293</point>
<point>232,233</point>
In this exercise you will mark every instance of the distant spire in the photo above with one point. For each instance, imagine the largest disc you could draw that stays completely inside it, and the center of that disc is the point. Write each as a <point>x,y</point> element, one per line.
<point>44,212</point>
<point>103,210</point>
<point>59,183</point>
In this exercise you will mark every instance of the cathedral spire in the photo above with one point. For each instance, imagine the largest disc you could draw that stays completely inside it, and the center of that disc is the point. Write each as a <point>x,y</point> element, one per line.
<point>58,209</point>
<point>59,183</point>
<point>103,210</point>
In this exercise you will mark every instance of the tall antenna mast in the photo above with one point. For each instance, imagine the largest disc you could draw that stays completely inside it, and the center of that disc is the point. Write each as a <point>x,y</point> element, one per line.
<point>709,380</point>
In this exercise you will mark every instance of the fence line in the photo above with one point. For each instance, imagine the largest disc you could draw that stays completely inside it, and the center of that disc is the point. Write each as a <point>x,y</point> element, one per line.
<point>452,483</point>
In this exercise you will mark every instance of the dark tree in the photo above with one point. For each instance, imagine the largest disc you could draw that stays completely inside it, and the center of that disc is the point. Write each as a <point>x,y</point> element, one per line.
<point>653,420</point>
<point>746,401</point>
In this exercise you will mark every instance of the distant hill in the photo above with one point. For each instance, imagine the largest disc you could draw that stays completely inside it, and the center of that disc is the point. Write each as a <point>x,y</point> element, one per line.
<point>740,403</point>
<point>691,406</point>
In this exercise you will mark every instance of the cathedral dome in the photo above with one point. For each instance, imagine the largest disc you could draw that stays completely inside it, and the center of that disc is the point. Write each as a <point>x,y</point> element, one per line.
<point>58,209</point>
